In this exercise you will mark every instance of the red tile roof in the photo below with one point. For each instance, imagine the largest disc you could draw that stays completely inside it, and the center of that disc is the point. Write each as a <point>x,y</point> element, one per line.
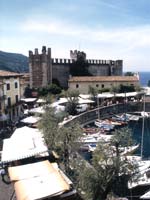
<point>8,74</point>
<point>103,78</point>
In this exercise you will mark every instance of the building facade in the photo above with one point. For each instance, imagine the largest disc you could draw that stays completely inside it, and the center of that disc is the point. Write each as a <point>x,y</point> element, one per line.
<point>83,83</point>
<point>44,69</point>
<point>10,105</point>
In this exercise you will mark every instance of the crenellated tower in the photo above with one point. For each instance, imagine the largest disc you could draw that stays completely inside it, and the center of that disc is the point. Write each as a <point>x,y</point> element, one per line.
<point>40,68</point>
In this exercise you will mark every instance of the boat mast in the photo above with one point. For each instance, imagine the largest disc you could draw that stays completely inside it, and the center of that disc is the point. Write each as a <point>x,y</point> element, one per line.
<point>98,107</point>
<point>143,121</point>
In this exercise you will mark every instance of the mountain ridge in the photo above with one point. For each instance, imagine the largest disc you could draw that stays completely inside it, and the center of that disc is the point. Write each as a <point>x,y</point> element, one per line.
<point>14,62</point>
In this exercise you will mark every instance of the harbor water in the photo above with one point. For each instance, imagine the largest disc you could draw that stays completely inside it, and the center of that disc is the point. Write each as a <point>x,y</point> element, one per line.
<point>136,128</point>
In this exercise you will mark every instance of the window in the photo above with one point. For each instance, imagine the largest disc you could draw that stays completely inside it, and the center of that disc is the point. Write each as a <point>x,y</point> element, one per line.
<point>16,85</point>
<point>13,112</point>
<point>102,85</point>
<point>77,85</point>
<point>8,86</point>
<point>97,85</point>
<point>16,98</point>
<point>9,101</point>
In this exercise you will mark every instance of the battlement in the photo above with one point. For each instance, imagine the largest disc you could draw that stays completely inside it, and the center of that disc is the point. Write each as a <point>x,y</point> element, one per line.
<point>89,61</point>
<point>62,61</point>
<point>43,52</point>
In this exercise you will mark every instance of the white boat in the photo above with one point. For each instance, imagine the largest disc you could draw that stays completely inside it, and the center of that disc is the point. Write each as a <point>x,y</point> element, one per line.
<point>142,177</point>
<point>104,124</point>
<point>133,117</point>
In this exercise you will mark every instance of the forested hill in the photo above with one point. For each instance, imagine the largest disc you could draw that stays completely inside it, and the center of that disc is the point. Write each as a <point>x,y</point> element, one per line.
<point>13,62</point>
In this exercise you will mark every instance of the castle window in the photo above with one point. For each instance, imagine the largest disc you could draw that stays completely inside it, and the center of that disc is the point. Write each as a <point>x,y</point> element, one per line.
<point>16,85</point>
<point>77,85</point>
<point>97,85</point>
<point>8,86</point>
<point>103,86</point>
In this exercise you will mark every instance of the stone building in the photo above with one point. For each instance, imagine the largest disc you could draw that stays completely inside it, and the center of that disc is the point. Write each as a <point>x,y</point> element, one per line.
<point>10,105</point>
<point>44,69</point>
<point>82,83</point>
<point>24,82</point>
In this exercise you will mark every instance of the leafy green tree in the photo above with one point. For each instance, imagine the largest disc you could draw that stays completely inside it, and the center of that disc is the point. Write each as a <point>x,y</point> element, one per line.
<point>79,67</point>
<point>54,89</point>
<point>72,97</point>
<point>93,91</point>
<point>70,138</point>
<point>63,140</point>
<point>49,126</point>
<point>129,74</point>
<point>109,169</point>
<point>27,92</point>
<point>50,89</point>
<point>126,88</point>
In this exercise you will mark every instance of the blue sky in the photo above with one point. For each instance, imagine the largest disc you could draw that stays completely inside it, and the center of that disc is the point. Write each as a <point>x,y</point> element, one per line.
<point>104,29</point>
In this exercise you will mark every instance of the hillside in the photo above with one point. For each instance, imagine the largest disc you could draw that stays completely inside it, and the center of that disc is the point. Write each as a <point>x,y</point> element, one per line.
<point>13,62</point>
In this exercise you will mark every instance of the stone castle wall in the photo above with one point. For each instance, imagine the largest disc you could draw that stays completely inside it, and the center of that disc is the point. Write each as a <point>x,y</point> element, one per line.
<point>43,68</point>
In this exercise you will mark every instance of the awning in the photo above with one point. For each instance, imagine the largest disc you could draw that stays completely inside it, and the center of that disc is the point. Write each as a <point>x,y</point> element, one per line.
<point>146,195</point>
<point>29,100</point>
<point>38,180</point>
<point>127,94</point>
<point>24,143</point>
<point>85,101</point>
<point>105,95</point>
<point>41,101</point>
<point>30,120</point>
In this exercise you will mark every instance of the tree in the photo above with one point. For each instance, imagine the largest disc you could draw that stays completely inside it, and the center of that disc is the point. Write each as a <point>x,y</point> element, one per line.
<point>70,138</point>
<point>79,67</point>
<point>28,92</point>
<point>54,89</point>
<point>63,140</point>
<point>129,74</point>
<point>109,168</point>
<point>49,126</point>
<point>50,89</point>
<point>72,97</point>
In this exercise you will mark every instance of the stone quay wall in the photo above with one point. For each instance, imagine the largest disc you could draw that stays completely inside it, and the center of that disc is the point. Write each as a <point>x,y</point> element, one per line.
<point>108,111</point>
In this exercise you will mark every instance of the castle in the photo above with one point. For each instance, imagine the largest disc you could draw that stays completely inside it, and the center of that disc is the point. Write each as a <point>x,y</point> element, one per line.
<point>44,69</point>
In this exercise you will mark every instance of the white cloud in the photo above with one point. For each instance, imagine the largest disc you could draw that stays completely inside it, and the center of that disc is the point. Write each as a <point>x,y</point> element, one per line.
<point>132,44</point>
<point>128,37</point>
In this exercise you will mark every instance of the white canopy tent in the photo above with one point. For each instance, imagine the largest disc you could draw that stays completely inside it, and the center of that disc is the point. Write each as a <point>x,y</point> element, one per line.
<point>39,180</point>
<point>146,195</point>
<point>25,142</point>
<point>105,95</point>
<point>127,94</point>
<point>29,100</point>
<point>39,110</point>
